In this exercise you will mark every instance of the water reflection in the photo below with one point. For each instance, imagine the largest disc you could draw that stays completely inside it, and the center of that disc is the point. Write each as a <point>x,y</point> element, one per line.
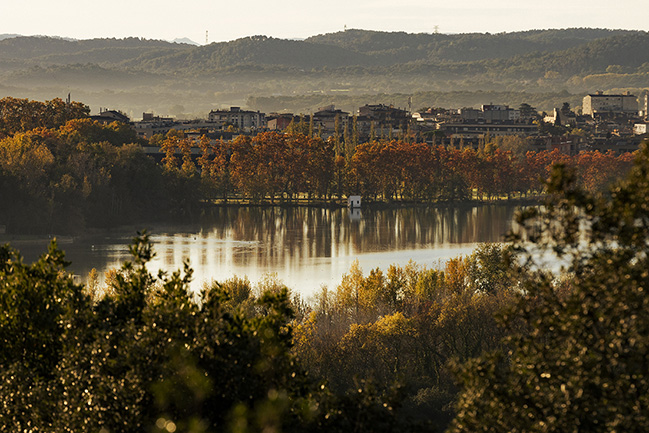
<point>305,247</point>
<point>355,214</point>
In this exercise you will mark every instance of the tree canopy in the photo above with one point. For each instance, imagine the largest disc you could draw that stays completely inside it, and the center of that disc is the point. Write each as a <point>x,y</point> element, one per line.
<point>581,366</point>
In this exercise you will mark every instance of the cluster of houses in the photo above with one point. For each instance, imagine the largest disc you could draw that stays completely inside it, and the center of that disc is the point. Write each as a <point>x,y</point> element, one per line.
<point>606,122</point>
<point>326,122</point>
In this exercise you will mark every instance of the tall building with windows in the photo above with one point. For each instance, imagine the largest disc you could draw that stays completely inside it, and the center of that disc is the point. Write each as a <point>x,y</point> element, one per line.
<point>602,104</point>
<point>242,119</point>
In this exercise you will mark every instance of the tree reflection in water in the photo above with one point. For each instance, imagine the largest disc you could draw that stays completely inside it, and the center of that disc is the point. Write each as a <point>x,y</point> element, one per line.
<point>305,247</point>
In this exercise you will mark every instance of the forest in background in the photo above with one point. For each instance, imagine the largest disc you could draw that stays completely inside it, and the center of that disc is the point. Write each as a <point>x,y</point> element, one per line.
<point>348,69</point>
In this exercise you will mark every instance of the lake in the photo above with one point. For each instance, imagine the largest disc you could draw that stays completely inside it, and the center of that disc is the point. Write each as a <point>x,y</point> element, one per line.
<point>305,248</point>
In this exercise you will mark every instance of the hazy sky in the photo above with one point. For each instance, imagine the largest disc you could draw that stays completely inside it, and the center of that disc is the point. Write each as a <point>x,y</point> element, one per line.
<point>227,20</point>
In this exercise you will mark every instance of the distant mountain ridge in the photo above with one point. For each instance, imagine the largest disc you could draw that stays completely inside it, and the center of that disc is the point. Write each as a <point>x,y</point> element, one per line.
<point>7,36</point>
<point>56,50</point>
<point>257,50</point>
<point>156,73</point>
<point>351,48</point>
<point>185,41</point>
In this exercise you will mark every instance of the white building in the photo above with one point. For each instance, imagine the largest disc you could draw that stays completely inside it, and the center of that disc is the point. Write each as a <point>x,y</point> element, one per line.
<point>354,201</point>
<point>599,103</point>
<point>244,120</point>
<point>640,128</point>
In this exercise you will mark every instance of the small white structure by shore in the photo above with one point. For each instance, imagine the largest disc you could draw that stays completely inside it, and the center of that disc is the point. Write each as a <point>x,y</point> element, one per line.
<point>354,201</point>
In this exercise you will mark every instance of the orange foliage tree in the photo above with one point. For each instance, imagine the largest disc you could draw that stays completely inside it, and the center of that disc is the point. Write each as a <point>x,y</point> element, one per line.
<point>281,165</point>
<point>22,115</point>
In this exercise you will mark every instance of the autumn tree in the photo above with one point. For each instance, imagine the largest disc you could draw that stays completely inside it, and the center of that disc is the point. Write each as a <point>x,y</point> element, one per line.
<point>597,171</point>
<point>319,169</point>
<point>405,325</point>
<point>170,146</point>
<point>215,167</point>
<point>22,115</point>
<point>243,163</point>
<point>39,303</point>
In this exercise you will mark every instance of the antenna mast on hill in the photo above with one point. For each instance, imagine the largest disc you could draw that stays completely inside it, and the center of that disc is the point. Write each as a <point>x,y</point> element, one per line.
<point>205,37</point>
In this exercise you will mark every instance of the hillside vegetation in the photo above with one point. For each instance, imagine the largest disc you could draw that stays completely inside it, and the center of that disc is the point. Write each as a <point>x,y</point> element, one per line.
<point>147,75</point>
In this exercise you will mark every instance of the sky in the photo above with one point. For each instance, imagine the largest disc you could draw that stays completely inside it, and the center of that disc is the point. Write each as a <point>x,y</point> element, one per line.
<point>229,20</point>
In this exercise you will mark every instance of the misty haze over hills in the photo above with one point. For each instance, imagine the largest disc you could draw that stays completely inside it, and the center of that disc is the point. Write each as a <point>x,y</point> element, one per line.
<point>350,68</point>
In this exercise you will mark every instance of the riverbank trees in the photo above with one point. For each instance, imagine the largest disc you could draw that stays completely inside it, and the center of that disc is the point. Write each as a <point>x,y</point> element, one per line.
<point>404,324</point>
<point>77,174</point>
<point>22,115</point>
<point>273,167</point>
<point>62,172</point>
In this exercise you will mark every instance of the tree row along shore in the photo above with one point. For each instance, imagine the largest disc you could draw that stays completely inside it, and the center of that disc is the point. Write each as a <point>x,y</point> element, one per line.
<point>62,172</point>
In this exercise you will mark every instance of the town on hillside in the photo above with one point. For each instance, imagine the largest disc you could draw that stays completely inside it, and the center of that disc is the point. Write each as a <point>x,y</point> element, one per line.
<point>604,122</point>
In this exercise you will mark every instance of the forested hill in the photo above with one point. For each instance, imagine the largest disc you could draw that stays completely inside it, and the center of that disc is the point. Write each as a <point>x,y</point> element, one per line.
<point>138,75</point>
<point>257,50</point>
<point>353,48</point>
<point>403,46</point>
<point>42,50</point>
<point>626,52</point>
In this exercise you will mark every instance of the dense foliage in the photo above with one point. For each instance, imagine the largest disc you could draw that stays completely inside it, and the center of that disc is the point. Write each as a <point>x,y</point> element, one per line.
<point>23,115</point>
<point>404,325</point>
<point>286,167</point>
<point>143,353</point>
<point>60,171</point>
<point>582,365</point>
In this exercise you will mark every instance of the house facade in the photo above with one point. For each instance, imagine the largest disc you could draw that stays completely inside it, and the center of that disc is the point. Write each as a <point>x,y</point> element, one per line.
<point>325,120</point>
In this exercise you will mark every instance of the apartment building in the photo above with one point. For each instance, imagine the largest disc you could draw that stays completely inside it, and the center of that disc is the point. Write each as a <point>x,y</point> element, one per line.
<point>602,104</point>
<point>242,119</point>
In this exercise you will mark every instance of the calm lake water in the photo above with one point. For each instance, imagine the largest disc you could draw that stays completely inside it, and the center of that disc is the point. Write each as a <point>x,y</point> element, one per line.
<point>305,247</point>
